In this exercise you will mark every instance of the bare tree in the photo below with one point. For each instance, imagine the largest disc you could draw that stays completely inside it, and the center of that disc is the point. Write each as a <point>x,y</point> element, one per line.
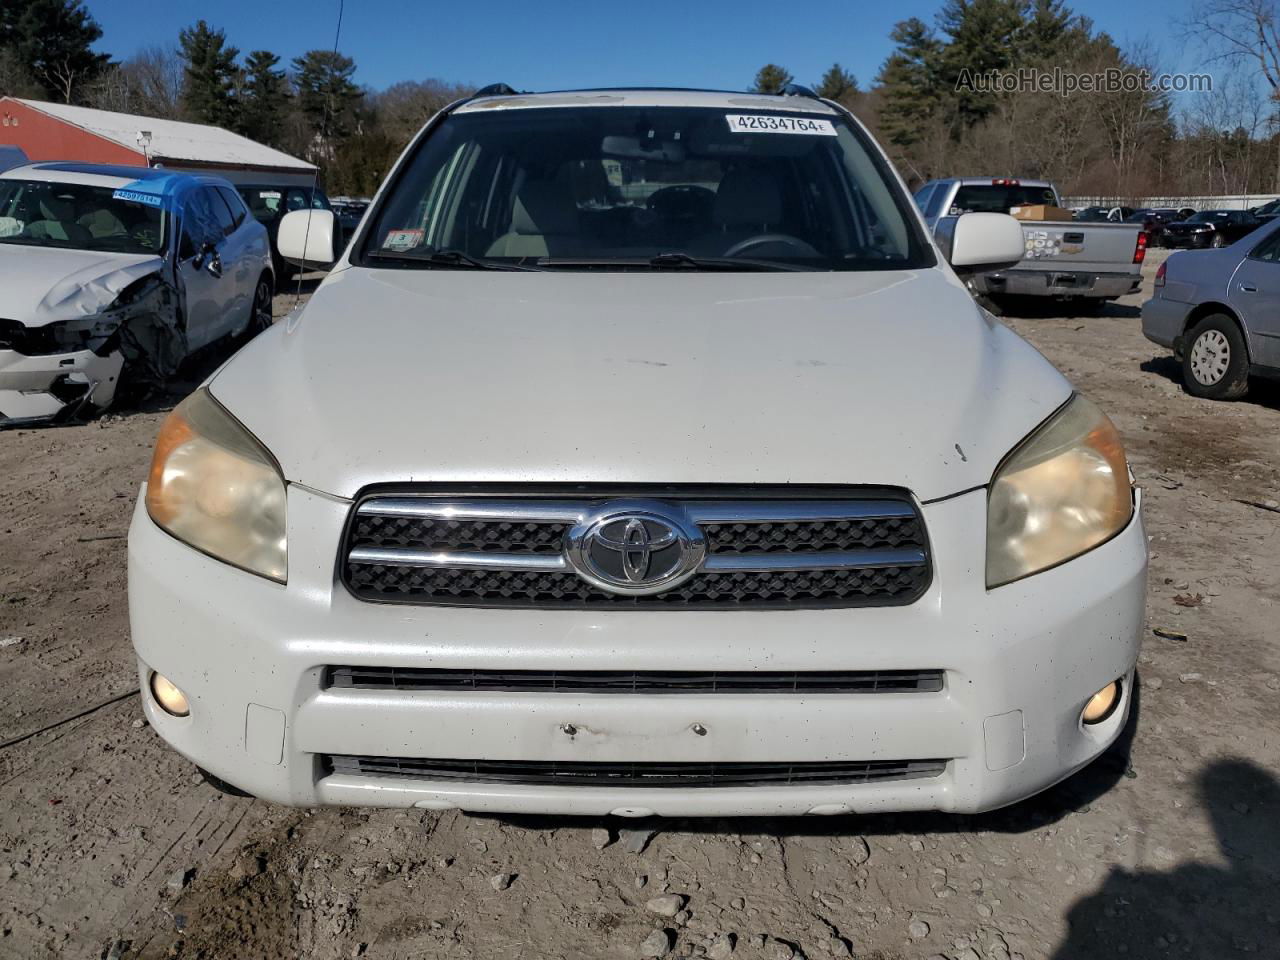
<point>1243,31</point>
<point>149,83</point>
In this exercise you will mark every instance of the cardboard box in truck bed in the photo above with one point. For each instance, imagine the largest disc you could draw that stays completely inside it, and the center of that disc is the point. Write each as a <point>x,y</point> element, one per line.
<point>1039,211</point>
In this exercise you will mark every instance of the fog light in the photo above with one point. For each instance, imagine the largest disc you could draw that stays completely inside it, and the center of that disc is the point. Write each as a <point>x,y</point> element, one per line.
<point>172,700</point>
<point>1102,704</point>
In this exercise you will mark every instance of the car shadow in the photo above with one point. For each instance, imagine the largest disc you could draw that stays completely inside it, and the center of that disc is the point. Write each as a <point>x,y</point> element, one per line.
<point>1262,392</point>
<point>1073,795</point>
<point>1198,910</point>
<point>1164,365</point>
<point>1042,308</point>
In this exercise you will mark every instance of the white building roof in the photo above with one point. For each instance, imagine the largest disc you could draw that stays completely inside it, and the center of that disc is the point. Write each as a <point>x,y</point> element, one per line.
<point>173,139</point>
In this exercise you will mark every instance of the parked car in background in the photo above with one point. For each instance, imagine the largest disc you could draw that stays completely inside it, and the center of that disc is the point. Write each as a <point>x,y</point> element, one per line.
<point>348,211</point>
<point>1088,262</point>
<point>1210,228</point>
<point>103,266</point>
<point>1266,212</point>
<point>270,202</point>
<point>1185,212</point>
<point>1104,214</point>
<point>1153,221</point>
<point>1219,312</point>
<point>384,558</point>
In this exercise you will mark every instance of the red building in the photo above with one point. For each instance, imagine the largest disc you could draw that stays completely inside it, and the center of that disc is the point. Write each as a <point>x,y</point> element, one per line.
<point>58,131</point>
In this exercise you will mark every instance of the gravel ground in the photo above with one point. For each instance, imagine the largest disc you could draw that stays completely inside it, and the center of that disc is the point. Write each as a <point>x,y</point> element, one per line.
<point>112,846</point>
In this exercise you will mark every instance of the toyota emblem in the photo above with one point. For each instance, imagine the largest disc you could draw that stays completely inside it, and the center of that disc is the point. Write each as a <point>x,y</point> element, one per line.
<point>635,548</point>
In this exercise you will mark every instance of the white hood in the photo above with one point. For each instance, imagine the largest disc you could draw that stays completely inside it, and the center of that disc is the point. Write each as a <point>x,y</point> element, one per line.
<point>892,378</point>
<point>42,285</point>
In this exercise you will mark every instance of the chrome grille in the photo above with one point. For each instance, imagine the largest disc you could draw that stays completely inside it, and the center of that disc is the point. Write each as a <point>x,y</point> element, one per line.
<point>824,550</point>
<point>635,681</point>
<point>595,774</point>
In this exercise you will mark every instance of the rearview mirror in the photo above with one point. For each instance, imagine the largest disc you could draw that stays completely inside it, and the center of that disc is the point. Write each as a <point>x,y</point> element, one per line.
<point>665,151</point>
<point>306,238</point>
<point>986,241</point>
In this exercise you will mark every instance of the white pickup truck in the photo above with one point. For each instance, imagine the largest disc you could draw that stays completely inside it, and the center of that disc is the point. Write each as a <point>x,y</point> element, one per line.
<point>1087,262</point>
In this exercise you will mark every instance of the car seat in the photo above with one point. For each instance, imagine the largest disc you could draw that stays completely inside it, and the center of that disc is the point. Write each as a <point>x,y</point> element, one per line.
<point>544,222</point>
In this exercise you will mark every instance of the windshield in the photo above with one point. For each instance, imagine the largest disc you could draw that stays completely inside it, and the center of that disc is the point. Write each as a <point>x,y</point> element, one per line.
<point>999,198</point>
<point>1205,216</point>
<point>617,187</point>
<point>1094,214</point>
<point>75,216</point>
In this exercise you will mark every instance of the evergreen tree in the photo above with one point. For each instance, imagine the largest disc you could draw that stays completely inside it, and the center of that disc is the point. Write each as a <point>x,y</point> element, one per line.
<point>982,37</point>
<point>771,79</point>
<point>909,85</point>
<point>327,97</point>
<point>211,75</point>
<point>1049,30</point>
<point>265,100</point>
<point>49,41</point>
<point>838,84</point>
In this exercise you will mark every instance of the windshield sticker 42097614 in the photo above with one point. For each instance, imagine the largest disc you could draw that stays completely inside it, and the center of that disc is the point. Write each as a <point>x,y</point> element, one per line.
<point>766,123</point>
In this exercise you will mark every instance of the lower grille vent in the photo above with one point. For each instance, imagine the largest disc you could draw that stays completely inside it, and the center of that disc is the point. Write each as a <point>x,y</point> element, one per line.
<point>585,774</point>
<point>635,681</point>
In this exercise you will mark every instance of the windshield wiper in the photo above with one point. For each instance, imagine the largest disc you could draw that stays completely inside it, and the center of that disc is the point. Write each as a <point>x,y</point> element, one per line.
<point>663,261</point>
<point>681,259</point>
<point>449,258</point>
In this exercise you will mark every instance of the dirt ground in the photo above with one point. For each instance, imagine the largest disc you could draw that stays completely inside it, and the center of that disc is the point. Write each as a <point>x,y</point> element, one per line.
<point>112,846</point>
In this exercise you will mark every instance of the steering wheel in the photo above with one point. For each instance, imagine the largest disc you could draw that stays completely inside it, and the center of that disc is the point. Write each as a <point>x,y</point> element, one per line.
<point>760,240</point>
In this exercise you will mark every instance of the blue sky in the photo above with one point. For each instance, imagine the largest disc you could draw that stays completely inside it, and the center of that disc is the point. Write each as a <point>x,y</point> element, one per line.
<point>550,45</point>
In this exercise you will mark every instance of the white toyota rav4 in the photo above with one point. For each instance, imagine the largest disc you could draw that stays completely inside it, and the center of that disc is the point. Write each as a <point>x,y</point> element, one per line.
<point>641,455</point>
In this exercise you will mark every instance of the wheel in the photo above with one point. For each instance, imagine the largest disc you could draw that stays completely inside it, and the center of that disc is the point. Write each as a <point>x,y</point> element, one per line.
<point>260,313</point>
<point>1215,361</point>
<point>1218,241</point>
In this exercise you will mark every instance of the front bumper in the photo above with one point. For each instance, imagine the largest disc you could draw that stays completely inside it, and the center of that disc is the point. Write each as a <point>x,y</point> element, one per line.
<point>1020,663</point>
<point>1188,241</point>
<point>43,388</point>
<point>1058,283</point>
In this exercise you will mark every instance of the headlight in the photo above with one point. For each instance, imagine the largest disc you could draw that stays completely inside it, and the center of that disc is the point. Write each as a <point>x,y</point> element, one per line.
<point>1063,491</point>
<point>215,487</point>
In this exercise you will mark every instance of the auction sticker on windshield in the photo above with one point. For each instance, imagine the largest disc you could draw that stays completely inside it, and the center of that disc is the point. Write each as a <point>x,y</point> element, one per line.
<point>133,196</point>
<point>764,123</point>
<point>402,239</point>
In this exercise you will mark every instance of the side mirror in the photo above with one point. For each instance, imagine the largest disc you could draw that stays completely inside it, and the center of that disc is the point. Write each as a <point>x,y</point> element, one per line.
<point>209,259</point>
<point>306,238</point>
<point>987,241</point>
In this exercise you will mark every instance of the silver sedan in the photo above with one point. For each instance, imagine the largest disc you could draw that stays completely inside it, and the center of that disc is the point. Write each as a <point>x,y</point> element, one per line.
<point>1219,311</point>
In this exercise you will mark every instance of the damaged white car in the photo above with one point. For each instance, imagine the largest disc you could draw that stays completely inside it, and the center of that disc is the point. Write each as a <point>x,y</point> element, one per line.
<point>108,269</point>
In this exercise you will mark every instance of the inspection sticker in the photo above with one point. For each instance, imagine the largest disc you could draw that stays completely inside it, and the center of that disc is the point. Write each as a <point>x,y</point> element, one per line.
<point>402,239</point>
<point>133,196</point>
<point>765,123</point>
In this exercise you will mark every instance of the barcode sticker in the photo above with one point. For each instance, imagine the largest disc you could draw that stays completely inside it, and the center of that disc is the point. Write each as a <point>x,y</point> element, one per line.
<point>767,123</point>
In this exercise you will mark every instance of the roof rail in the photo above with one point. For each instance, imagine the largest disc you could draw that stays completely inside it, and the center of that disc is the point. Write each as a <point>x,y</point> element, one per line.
<point>494,90</point>
<point>798,90</point>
